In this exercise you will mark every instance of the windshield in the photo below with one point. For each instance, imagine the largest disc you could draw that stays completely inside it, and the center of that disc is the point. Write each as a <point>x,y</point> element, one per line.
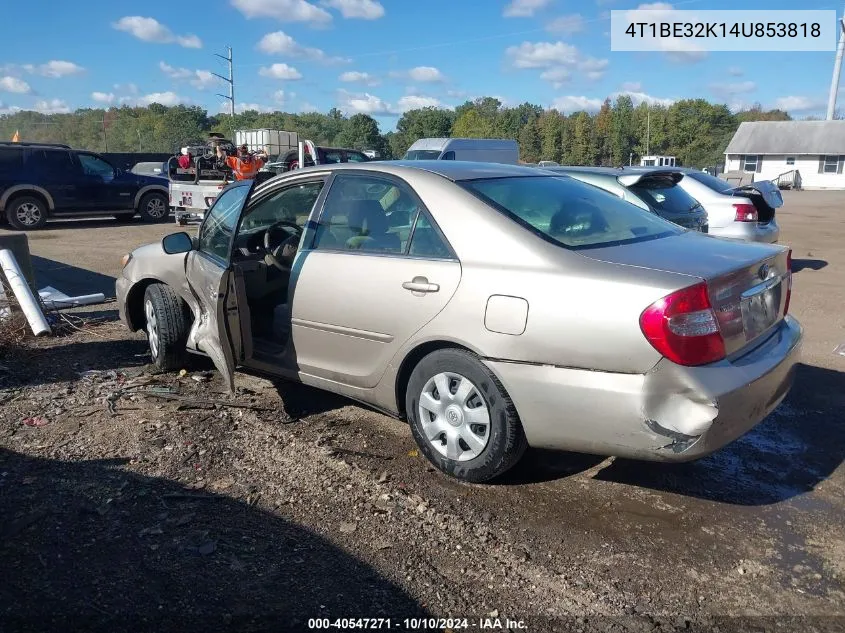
<point>665,197</point>
<point>711,182</point>
<point>569,212</point>
<point>422,154</point>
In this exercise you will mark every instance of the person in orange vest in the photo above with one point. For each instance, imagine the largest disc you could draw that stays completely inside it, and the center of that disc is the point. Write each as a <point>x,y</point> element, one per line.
<point>245,165</point>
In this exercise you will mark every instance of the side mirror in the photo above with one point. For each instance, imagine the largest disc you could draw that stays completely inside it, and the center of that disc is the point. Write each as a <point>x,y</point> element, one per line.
<point>176,243</point>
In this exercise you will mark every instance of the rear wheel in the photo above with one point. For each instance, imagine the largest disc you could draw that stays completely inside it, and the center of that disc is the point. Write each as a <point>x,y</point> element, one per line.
<point>461,417</point>
<point>26,212</point>
<point>154,207</point>
<point>166,324</point>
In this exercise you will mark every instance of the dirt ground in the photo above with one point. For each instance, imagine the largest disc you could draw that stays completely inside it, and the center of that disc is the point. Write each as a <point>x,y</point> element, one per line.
<point>139,501</point>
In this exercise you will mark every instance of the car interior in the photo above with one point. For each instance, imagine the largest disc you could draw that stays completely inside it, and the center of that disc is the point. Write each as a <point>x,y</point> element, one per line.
<point>360,213</point>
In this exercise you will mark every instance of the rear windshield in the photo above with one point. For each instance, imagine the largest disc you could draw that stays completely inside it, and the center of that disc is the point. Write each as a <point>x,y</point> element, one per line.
<point>422,154</point>
<point>665,197</point>
<point>569,212</point>
<point>711,182</point>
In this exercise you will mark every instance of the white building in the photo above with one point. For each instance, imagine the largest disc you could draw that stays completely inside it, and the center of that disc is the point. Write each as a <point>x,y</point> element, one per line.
<point>765,150</point>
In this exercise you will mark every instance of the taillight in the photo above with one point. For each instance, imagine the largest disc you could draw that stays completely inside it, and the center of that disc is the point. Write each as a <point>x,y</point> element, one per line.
<point>745,212</point>
<point>788,281</point>
<point>682,326</point>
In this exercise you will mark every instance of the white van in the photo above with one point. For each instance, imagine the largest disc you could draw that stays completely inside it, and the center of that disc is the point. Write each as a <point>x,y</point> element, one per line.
<point>482,150</point>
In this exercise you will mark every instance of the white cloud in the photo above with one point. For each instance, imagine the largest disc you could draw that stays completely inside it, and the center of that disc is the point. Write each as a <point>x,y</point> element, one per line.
<point>168,98</point>
<point>728,90</point>
<point>353,76</point>
<point>280,43</point>
<point>556,76</point>
<point>151,30</point>
<point>799,104</point>
<point>632,86</point>
<point>566,24</point>
<point>572,103</point>
<point>280,71</point>
<point>54,69</point>
<point>542,54</point>
<point>422,74</point>
<point>361,9</point>
<point>524,8</point>
<point>414,102</point>
<point>638,97</point>
<point>284,11</point>
<point>676,50</point>
<point>279,97</point>
<point>53,106</point>
<point>13,84</point>
<point>365,103</point>
<point>103,97</point>
<point>593,68</point>
<point>245,107</point>
<point>736,71</point>
<point>8,109</point>
<point>200,79</point>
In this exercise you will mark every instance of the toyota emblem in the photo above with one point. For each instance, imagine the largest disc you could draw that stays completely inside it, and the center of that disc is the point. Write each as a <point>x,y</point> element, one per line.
<point>764,271</point>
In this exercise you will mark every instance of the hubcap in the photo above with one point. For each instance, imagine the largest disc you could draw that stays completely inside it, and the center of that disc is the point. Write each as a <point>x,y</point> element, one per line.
<point>156,208</point>
<point>455,418</point>
<point>28,214</point>
<point>152,328</point>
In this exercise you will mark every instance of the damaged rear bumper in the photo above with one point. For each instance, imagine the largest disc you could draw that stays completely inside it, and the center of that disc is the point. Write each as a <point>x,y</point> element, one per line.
<point>672,413</point>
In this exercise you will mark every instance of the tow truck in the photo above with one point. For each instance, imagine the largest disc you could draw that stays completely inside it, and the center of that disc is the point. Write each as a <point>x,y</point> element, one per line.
<point>194,189</point>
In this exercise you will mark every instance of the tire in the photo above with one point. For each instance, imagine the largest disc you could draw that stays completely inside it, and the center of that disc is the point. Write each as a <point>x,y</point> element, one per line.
<point>124,217</point>
<point>26,213</point>
<point>491,453</point>
<point>166,324</point>
<point>154,207</point>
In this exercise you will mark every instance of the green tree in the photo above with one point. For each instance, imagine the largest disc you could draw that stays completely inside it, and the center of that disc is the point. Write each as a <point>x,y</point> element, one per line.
<point>361,131</point>
<point>583,150</point>
<point>472,124</point>
<point>530,142</point>
<point>603,126</point>
<point>622,130</point>
<point>551,130</point>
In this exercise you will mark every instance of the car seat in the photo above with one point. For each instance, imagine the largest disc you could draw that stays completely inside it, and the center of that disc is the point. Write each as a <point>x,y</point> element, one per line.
<point>577,221</point>
<point>370,226</point>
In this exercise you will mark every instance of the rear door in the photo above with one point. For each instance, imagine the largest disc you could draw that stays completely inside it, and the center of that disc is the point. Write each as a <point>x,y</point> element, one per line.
<point>366,282</point>
<point>207,268</point>
<point>54,170</point>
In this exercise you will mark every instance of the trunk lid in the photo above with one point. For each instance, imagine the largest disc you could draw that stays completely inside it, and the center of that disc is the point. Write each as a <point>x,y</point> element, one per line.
<point>661,192</point>
<point>764,195</point>
<point>747,282</point>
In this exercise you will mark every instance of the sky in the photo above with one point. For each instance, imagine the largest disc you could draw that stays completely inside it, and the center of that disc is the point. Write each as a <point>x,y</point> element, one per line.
<point>380,57</point>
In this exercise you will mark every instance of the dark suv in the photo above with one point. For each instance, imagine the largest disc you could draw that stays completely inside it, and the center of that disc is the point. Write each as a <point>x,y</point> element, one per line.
<point>38,181</point>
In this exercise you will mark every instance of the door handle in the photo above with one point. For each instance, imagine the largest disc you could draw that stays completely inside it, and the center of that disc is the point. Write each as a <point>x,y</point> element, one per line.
<point>420,284</point>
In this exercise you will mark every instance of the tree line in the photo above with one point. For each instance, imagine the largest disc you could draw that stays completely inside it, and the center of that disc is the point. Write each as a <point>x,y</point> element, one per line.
<point>693,130</point>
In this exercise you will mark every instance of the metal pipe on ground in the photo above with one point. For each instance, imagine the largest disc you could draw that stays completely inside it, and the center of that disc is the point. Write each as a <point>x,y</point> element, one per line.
<point>23,293</point>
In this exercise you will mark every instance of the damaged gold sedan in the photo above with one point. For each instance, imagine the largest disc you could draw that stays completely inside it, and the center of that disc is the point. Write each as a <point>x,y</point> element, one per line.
<point>491,306</point>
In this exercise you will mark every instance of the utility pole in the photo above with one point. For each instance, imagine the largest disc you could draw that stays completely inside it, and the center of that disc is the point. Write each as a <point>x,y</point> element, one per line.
<point>230,81</point>
<point>837,67</point>
<point>105,137</point>
<point>647,127</point>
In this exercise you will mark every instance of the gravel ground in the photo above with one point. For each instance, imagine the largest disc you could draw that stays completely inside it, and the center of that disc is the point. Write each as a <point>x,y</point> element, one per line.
<point>144,501</point>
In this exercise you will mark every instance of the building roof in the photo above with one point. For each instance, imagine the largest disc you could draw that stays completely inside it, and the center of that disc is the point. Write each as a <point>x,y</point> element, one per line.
<point>788,137</point>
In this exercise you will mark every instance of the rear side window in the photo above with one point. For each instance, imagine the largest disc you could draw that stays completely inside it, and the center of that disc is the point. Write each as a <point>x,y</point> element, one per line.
<point>357,157</point>
<point>711,182</point>
<point>569,212</point>
<point>11,159</point>
<point>665,197</point>
<point>50,160</point>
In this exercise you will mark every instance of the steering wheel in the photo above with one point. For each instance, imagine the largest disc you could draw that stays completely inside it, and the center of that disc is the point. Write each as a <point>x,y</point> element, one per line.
<point>281,244</point>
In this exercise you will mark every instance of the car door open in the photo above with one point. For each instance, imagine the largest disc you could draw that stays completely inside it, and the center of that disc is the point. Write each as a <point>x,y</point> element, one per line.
<point>216,329</point>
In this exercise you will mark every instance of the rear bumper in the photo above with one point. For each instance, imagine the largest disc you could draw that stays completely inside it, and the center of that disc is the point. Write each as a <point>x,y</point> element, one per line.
<point>672,413</point>
<point>749,231</point>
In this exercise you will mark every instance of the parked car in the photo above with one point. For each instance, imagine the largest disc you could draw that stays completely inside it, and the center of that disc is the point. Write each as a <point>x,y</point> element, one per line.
<point>40,181</point>
<point>485,150</point>
<point>150,169</point>
<point>493,307</point>
<point>548,163</point>
<point>745,213</point>
<point>653,189</point>
<point>326,156</point>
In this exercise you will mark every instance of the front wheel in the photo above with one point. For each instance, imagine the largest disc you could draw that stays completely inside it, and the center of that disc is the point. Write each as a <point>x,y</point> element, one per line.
<point>461,417</point>
<point>166,323</point>
<point>154,207</point>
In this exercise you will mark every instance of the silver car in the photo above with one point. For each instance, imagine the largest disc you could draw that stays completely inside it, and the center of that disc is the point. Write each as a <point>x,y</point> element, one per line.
<point>742,213</point>
<point>493,307</point>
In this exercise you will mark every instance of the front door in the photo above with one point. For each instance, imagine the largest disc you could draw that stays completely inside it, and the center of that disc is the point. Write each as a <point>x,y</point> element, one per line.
<point>375,273</point>
<point>100,187</point>
<point>216,329</point>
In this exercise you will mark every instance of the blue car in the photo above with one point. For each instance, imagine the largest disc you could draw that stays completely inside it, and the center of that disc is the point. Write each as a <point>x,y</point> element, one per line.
<point>40,181</point>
